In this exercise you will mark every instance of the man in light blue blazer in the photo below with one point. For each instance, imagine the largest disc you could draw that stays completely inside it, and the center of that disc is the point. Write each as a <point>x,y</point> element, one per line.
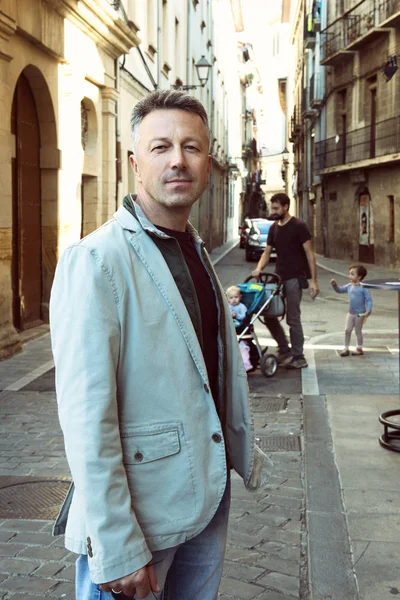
<point>151,387</point>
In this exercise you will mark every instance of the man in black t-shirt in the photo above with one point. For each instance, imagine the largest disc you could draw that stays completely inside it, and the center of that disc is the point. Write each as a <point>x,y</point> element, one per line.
<point>295,264</point>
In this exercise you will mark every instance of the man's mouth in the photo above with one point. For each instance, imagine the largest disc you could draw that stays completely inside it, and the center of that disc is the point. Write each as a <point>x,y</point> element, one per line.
<point>179,181</point>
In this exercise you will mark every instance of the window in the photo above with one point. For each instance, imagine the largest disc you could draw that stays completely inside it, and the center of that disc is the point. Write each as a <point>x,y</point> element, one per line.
<point>391,222</point>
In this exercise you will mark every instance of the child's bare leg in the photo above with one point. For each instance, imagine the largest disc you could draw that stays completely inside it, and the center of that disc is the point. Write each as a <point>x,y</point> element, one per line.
<point>350,322</point>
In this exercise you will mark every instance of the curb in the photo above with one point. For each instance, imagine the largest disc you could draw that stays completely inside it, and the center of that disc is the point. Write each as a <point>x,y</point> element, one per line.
<point>322,266</point>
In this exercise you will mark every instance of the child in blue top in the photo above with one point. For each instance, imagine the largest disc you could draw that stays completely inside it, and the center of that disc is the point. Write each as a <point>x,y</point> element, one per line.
<point>238,312</point>
<point>359,309</point>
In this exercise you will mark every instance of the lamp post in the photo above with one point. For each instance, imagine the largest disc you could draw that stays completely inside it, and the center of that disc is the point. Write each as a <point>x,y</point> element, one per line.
<point>203,68</point>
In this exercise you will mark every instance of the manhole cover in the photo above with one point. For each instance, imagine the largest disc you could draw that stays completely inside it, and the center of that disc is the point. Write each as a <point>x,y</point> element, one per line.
<point>279,443</point>
<point>32,499</point>
<point>267,405</point>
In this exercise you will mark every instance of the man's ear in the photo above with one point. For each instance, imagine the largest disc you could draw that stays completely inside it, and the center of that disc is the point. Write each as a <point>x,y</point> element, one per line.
<point>135,168</point>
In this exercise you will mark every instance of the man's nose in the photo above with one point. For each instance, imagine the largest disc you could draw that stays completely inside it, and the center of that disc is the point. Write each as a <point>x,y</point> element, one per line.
<point>178,158</point>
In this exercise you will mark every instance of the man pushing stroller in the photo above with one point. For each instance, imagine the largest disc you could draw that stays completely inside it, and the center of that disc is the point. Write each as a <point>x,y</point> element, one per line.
<point>295,265</point>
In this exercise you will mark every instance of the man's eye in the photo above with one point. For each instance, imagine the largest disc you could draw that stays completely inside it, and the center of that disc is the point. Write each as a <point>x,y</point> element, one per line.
<point>192,148</point>
<point>161,147</point>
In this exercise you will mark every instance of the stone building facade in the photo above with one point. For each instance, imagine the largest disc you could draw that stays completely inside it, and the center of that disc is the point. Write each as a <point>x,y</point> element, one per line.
<point>70,73</point>
<point>57,168</point>
<point>347,129</point>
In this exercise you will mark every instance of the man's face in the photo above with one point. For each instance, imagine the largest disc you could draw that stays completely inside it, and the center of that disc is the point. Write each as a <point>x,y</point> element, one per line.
<point>172,163</point>
<point>278,211</point>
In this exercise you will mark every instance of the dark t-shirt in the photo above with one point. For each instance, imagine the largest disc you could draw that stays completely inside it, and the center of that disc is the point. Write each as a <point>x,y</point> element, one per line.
<point>288,241</point>
<point>207,304</point>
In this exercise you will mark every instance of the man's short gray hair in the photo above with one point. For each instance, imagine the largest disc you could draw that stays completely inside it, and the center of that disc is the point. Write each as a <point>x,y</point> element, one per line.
<point>165,100</point>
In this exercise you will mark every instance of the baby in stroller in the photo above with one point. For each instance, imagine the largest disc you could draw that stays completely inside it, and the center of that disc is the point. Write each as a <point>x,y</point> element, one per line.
<point>238,312</point>
<point>248,303</point>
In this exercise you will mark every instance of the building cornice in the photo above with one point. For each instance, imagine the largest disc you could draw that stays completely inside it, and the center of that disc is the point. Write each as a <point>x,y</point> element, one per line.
<point>99,21</point>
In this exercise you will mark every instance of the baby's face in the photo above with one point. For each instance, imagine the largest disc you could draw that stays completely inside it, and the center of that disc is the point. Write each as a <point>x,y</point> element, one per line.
<point>234,298</point>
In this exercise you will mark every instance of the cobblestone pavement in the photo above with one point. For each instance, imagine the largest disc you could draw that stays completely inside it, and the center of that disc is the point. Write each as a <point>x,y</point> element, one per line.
<point>266,532</point>
<point>264,548</point>
<point>319,427</point>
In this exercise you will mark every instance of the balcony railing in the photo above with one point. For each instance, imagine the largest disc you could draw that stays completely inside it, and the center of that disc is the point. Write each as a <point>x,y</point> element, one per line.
<point>364,22</point>
<point>309,33</point>
<point>372,141</point>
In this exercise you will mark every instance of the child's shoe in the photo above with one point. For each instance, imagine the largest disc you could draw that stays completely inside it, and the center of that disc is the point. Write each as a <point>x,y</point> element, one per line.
<point>358,352</point>
<point>345,352</point>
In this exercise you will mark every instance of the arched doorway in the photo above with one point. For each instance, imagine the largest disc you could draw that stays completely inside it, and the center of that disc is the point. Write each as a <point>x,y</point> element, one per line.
<point>34,199</point>
<point>26,211</point>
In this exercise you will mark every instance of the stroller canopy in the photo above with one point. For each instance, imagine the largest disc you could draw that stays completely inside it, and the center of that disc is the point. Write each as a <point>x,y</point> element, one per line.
<point>253,296</point>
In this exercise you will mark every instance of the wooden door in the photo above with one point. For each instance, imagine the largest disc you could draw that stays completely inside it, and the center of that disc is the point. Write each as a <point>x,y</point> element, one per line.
<point>27,246</point>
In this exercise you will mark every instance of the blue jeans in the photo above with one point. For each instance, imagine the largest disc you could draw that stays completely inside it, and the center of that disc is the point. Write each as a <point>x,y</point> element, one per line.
<point>191,571</point>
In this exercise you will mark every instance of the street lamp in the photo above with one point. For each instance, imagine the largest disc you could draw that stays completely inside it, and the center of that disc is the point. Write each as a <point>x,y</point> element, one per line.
<point>390,68</point>
<point>203,68</point>
<point>285,163</point>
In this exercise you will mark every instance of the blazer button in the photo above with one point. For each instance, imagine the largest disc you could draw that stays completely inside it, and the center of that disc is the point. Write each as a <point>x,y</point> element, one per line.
<point>138,456</point>
<point>216,438</point>
<point>206,388</point>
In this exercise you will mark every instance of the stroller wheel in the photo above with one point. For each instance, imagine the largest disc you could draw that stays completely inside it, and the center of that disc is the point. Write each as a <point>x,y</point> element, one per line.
<point>268,365</point>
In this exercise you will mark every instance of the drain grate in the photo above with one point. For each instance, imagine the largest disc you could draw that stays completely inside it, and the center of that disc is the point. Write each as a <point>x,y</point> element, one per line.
<point>268,405</point>
<point>31,499</point>
<point>279,443</point>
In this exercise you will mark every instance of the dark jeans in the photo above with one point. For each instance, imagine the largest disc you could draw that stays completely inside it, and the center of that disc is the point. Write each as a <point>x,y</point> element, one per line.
<point>293,294</point>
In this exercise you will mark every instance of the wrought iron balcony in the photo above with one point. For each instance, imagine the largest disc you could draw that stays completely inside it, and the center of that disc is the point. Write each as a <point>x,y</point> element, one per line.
<point>361,24</point>
<point>372,141</point>
<point>389,12</point>
<point>309,34</point>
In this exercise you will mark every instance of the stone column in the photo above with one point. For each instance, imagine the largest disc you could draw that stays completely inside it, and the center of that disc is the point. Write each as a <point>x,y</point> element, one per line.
<point>109,179</point>
<point>9,338</point>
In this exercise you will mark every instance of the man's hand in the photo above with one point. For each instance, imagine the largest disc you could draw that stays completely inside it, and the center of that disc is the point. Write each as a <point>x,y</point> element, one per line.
<point>333,282</point>
<point>314,289</point>
<point>256,272</point>
<point>140,582</point>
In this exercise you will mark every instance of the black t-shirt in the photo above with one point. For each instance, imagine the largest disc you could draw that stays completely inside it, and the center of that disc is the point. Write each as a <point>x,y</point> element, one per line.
<point>207,304</point>
<point>288,241</point>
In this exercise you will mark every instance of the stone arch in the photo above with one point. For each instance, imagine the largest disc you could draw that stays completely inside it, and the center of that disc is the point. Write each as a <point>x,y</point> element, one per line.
<point>35,86</point>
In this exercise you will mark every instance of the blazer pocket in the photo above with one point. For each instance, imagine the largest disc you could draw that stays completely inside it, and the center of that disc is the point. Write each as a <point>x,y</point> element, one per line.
<point>159,469</point>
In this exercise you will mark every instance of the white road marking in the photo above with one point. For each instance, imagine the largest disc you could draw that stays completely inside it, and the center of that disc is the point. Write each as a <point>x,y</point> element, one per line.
<point>23,381</point>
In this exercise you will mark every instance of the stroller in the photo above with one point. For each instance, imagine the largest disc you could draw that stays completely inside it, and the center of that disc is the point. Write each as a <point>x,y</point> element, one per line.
<point>263,299</point>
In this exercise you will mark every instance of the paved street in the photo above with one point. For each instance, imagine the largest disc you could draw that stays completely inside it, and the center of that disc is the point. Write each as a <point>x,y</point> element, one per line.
<point>328,519</point>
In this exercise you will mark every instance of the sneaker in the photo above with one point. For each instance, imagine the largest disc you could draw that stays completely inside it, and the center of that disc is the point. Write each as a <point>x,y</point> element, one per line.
<point>345,352</point>
<point>298,362</point>
<point>284,357</point>
<point>358,352</point>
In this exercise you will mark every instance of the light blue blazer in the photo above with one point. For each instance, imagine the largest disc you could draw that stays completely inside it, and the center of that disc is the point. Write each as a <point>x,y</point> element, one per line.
<point>144,443</point>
